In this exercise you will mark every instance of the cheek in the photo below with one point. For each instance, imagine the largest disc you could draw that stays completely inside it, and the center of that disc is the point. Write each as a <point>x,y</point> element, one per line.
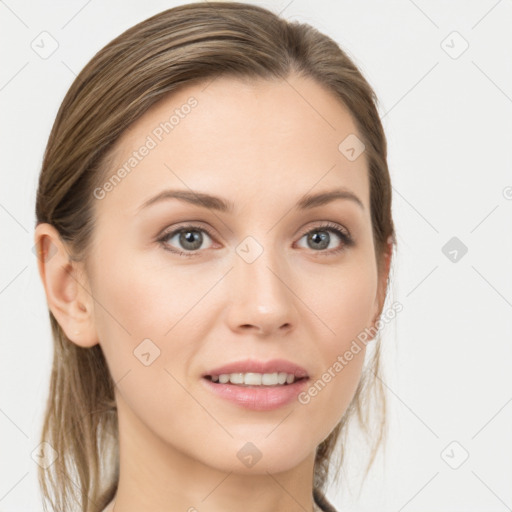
<point>138,310</point>
<point>345,304</point>
<point>343,301</point>
<point>137,298</point>
<point>145,329</point>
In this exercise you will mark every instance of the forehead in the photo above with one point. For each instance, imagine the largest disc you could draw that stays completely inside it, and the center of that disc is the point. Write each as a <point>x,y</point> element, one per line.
<point>239,138</point>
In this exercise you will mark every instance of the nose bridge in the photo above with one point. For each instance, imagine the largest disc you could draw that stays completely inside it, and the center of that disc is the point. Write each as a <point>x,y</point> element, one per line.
<point>262,274</point>
<point>261,296</point>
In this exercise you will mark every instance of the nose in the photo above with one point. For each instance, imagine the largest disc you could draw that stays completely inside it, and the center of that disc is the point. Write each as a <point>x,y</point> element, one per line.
<point>261,294</point>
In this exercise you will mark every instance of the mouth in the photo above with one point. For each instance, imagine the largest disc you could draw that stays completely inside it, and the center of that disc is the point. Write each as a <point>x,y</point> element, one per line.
<point>257,385</point>
<point>277,372</point>
<point>256,380</point>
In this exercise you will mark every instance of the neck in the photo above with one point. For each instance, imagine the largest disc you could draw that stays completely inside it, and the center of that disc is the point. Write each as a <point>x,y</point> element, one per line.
<point>156,476</point>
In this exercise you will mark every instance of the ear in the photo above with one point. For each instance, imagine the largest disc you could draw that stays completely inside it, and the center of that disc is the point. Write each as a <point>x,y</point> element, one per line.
<point>66,287</point>
<point>380,298</point>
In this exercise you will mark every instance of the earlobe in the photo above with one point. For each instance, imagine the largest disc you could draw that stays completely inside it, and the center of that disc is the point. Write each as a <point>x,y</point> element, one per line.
<point>65,287</point>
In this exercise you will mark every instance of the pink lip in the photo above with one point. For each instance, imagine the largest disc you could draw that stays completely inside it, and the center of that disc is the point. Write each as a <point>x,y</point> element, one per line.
<point>251,365</point>
<point>258,398</point>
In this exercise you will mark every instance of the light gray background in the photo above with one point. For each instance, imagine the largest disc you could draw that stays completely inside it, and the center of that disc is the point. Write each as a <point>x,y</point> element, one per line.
<point>448,119</point>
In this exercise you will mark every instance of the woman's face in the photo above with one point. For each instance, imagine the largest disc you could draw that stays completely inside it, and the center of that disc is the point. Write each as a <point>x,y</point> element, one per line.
<point>263,280</point>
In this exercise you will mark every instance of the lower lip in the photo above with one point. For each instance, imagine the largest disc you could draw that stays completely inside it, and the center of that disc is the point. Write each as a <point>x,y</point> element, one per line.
<point>260,398</point>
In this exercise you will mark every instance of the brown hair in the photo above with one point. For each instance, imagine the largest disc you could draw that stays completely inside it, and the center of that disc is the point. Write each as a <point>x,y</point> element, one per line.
<point>175,48</point>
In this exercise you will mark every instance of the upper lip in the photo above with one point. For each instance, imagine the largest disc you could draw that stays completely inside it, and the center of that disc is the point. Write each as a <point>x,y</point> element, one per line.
<point>251,365</point>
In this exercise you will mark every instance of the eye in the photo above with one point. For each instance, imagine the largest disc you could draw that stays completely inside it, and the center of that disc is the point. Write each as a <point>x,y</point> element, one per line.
<point>320,239</point>
<point>190,238</point>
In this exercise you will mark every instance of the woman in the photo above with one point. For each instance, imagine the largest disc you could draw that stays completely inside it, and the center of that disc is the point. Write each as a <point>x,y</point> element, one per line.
<point>215,235</point>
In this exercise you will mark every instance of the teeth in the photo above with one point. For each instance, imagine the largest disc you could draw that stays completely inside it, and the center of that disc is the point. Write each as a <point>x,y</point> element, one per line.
<point>236,378</point>
<point>252,379</point>
<point>255,379</point>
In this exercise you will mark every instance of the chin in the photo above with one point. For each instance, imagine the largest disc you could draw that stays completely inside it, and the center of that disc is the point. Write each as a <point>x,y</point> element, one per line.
<point>260,457</point>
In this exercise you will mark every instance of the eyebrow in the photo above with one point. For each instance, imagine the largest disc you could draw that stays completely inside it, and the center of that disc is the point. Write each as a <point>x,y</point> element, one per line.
<point>306,202</point>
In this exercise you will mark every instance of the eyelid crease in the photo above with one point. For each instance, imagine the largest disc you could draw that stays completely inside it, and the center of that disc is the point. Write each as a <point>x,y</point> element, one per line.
<point>342,232</point>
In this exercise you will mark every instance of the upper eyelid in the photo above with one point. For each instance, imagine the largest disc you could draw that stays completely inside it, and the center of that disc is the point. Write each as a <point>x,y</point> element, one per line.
<point>192,226</point>
<point>197,225</point>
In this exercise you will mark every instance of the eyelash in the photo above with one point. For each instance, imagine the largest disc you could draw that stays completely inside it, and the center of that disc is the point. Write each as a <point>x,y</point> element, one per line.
<point>346,239</point>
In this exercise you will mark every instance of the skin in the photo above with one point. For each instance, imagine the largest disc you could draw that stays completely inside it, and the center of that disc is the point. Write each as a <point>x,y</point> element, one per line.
<point>263,145</point>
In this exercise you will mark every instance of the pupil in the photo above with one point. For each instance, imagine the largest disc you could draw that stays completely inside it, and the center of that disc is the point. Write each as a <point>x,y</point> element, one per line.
<point>320,239</point>
<point>192,237</point>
